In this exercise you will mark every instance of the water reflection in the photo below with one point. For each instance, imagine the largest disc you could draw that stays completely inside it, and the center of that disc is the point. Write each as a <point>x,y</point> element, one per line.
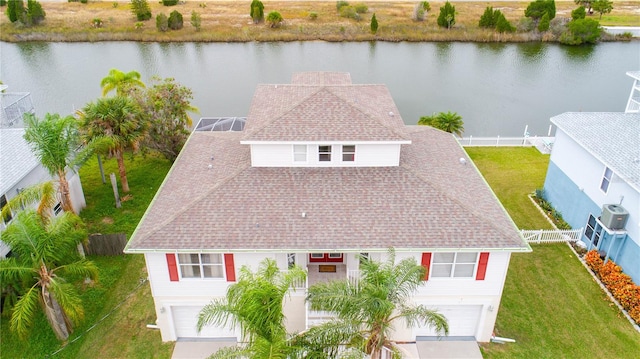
<point>582,53</point>
<point>532,52</point>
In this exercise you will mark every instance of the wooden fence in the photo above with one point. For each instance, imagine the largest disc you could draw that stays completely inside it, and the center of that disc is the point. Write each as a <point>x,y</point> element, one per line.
<point>106,244</point>
<point>551,236</point>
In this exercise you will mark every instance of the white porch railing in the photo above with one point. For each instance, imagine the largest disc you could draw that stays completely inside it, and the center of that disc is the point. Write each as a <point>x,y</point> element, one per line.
<point>353,276</point>
<point>551,236</point>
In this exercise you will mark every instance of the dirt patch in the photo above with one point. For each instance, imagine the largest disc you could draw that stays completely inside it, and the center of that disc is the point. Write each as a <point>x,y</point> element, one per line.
<point>107,220</point>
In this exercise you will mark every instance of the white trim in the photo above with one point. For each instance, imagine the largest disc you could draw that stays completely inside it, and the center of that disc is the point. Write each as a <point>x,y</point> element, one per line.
<point>453,266</point>
<point>222,265</point>
<point>401,142</point>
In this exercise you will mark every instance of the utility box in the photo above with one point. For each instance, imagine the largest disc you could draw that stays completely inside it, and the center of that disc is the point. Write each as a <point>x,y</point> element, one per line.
<point>614,216</point>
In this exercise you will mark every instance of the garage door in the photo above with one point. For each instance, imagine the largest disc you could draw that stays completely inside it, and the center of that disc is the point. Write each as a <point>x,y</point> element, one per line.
<point>463,320</point>
<point>185,319</point>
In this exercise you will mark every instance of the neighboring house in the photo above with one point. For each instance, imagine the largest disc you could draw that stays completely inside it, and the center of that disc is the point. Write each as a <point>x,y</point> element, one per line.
<point>594,179</point>
<point>323,171</point>
<point>19,167</point>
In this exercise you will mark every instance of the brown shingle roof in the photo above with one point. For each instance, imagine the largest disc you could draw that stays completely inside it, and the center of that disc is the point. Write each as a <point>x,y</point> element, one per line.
<point>431,201</point>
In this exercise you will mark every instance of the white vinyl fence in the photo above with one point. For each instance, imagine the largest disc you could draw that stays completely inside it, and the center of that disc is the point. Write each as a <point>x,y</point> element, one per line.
<point>543,144</point>
<point>551,236</point>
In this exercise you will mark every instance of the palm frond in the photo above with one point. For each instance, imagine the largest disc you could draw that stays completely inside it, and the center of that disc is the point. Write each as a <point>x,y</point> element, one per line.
<point>237,352</point>
<point>25,235</point>
<point>13,273</point>
<point>422,315</point>
<point>81,268</point>
<point>24,312</point>
<point>67,296</point>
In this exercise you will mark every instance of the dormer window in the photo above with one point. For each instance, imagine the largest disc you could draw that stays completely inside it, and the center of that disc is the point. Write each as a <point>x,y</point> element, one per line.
<point>348,153</point>
<point>324,153</point>
<point>299,153</point>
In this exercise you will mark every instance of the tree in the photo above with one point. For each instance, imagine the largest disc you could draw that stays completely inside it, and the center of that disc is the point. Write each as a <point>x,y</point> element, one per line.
<point>120,81</point>
<point>44,194</point>
<point>257,11</point>
<point>446,121</point>
<point>602,7</point>
<point>274,19</point>
<point>141,9</point>
<point>254,304</point>
<point>35,14</point>
<point>489,18</point>
<point>585,3</point>
<point>538,8</point>
<point>543,25</point>
<point>175,21</point>
<point>503,25</point>
<point>196,20</point>
<point>44,267</point>
<point>54,141</point>
<point>165,106</point>
<point>420,9</point>
<point>374,23</point>
<point>581,31</point>
<point>447,17</point>
<point>162,22</point>
<point>113,124</point>
<point>367,309</point>
<point>579,13</point>
<point>15,8</point>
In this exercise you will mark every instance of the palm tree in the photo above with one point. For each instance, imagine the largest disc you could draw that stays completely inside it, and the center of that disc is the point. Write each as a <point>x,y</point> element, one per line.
<point>113,124</point>
<point>44,194</point>
<point>447,121</point>
<point>44,264</point>
<point>54,141</point>
<point>367,309</point>
<point>254,304</point>
<point>120,81</point>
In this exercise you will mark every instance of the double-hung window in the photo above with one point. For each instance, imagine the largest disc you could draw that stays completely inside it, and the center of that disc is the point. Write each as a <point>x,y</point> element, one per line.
<point>348,153</point>
<point>324,153</point>
<point>201,265</point>
<point>299,153</point>
<point>454,264</point>
<point>606,179</point>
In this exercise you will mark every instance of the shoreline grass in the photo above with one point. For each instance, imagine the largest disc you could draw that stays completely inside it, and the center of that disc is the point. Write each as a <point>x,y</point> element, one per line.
<point>228,21</point>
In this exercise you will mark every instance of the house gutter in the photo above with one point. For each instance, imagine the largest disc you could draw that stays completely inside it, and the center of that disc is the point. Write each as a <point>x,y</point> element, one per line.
<point>325,250</point>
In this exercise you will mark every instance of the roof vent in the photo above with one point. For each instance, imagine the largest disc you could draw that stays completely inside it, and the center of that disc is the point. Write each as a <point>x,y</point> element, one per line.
<point>614,216</point>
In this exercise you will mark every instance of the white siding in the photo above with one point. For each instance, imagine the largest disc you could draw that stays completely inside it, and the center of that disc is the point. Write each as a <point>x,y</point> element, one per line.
<point>586,172</point>
<point>367,155</point>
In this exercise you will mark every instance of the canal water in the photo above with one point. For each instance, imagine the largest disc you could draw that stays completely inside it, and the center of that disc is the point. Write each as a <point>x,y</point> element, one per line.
<point>498,89</point>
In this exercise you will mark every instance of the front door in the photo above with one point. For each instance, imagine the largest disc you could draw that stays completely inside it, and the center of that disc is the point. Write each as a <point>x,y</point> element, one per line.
<point>325,257</point>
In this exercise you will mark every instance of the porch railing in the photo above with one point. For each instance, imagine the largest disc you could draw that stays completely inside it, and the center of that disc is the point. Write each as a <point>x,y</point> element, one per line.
<point>14,106</point>
<point>551,236</point>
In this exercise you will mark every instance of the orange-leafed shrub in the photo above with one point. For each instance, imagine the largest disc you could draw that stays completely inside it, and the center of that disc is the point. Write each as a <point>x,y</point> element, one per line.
<point>619,284</point>
<point>593,260</point>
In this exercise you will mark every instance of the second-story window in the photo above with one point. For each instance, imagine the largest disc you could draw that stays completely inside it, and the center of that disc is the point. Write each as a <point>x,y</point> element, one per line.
<point>324,153</point>
<point>3,202</point>
<point>299,153</point>
<point>606,179</point>
<point>348,153</point>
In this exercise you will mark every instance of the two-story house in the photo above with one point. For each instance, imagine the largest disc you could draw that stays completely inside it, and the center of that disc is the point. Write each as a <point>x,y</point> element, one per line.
<point>593,179</point>
<point>323,171</point>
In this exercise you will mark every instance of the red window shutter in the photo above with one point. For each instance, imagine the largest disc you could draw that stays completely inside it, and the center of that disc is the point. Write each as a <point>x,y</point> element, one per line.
<point>173,267</point>
<point>482,265</point>
<point>426,263</point>
<point>229,267</point>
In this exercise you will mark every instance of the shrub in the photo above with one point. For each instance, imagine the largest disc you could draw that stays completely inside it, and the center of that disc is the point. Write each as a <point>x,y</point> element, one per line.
<point>543,25</point>
<point>274,19</point>
<point>175,21</point>
<point>447,17</point>
<point>15,8</point>
<point>141,10</point>
<point>340,5</point>
<point>84,1</point>
<point>313,15</point>
<point>97,23</point>
<point>257,11</point>
<point>162,22</point>
<point>581,31</point>
<point>169,2</point>
<point>538,8</point>
<point>418,12</point>
<point>349,12</point>
<point>579,13</point>
<point>526,24</point>
<point>489,18</point>
<point>34,13</point>
<point>139,25</point>
<point>3,2</point>
<point>361,8</point>
<point>374,23</point>
<point>196,20</point>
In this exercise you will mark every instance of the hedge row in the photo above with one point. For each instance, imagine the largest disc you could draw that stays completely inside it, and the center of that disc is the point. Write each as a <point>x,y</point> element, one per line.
<point>619,284</point>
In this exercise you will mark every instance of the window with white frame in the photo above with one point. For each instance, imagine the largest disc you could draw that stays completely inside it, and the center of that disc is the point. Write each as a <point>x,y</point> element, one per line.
<point>291,260</point>
<point>324,153</point>
<point>348,153</point>
<point>606,179</point>
<point>593,231</point>
<point>201,265</point>
<point>299,153</point>
<point>454,264</point>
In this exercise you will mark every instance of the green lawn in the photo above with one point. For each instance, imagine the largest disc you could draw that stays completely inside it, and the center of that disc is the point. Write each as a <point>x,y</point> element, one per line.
<point>550,304</point>
<point>123,333</point>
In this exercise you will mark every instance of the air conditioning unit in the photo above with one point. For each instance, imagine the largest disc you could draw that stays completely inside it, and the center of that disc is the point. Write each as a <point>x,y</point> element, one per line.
<point>614,216</point>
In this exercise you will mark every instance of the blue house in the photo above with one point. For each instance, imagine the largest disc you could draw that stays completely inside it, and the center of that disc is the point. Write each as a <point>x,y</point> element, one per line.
<point>593,179</point>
